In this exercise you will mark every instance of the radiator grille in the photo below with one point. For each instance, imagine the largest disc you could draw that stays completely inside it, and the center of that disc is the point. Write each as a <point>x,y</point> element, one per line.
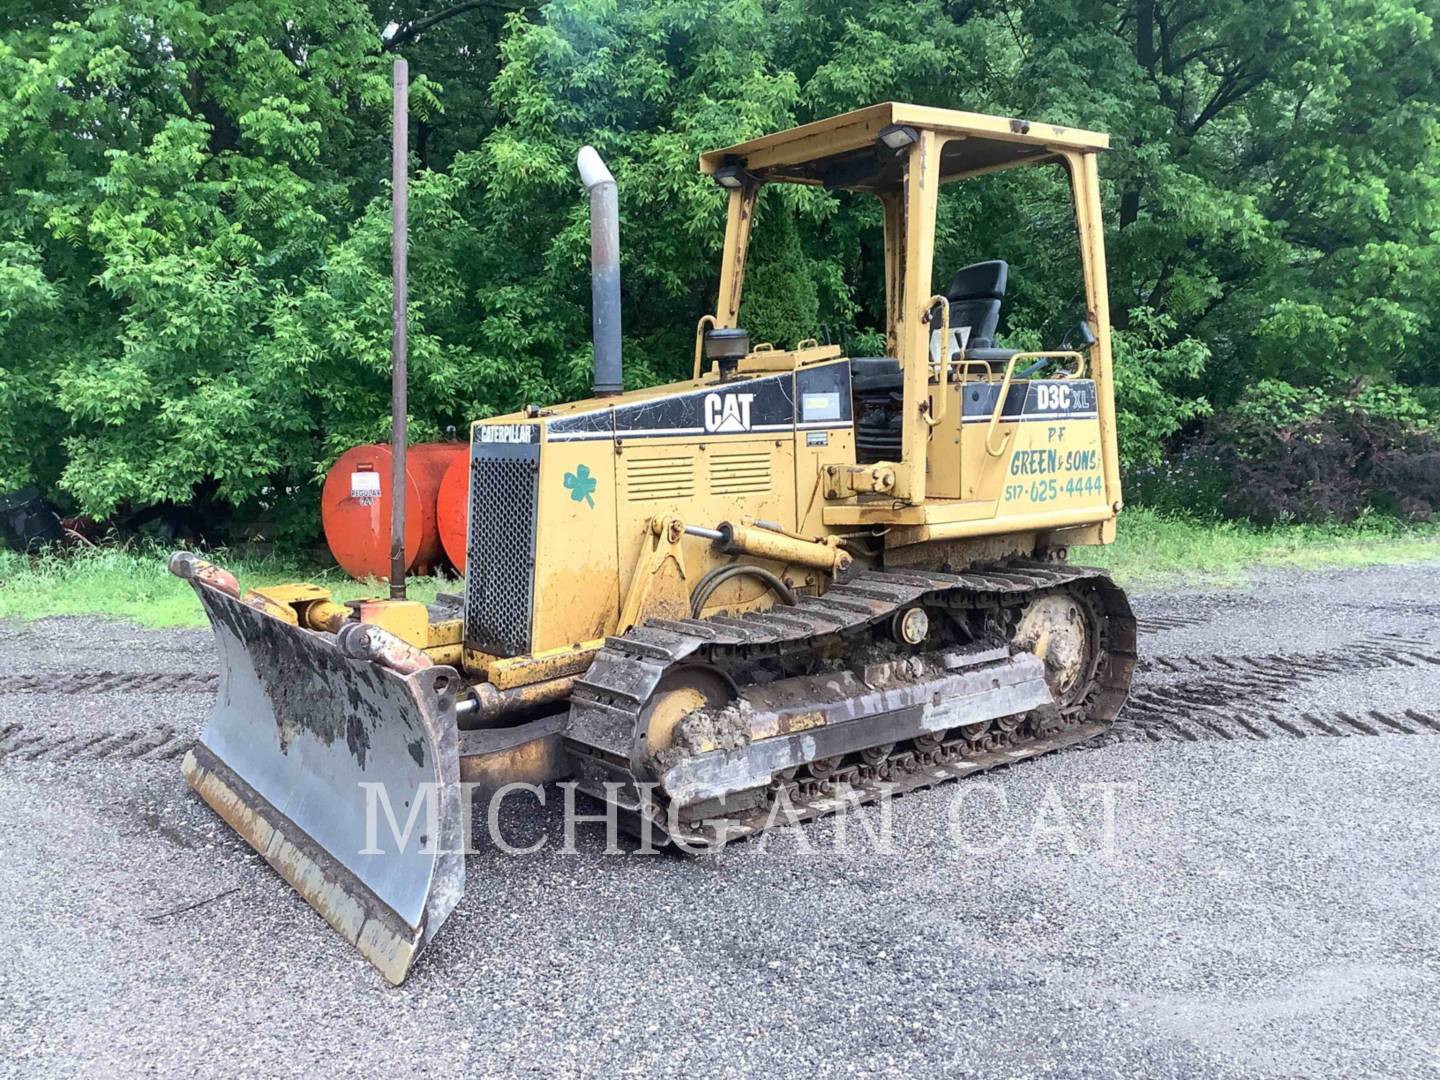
<point>500,553</point>
<point>734,474</point>
<point>659,478</point>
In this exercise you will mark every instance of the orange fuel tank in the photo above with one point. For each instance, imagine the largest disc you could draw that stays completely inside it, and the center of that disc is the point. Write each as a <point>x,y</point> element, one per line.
<point>355,507</point>
<point>452,511</point>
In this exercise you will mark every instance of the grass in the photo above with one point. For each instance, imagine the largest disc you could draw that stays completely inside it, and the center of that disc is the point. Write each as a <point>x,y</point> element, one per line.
<point>133,583</point>
<point>1152,551</point>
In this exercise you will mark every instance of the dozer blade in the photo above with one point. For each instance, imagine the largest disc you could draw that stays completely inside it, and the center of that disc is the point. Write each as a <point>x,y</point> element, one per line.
<point>342,773</point>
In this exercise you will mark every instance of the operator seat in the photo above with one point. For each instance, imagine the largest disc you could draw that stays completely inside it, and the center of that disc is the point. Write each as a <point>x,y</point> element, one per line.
<point>877,383</point>
<point>975,293</point>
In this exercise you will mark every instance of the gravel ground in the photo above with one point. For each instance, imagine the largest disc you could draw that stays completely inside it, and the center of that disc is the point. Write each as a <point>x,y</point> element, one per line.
<point>1159,905</point>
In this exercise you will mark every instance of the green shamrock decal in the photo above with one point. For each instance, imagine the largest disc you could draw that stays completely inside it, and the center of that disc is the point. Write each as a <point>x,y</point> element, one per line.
<point>581,485</point>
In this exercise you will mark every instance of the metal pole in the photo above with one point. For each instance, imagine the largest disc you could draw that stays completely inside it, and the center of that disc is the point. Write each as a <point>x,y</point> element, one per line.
<point>400,212</point>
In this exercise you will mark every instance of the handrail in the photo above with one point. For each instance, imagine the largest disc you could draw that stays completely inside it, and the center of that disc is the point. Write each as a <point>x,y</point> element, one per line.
<point>990,446</point>
<point>706,322</point>
<point>964,364</point>
<point>1079,358</point>
<point>929,413</point>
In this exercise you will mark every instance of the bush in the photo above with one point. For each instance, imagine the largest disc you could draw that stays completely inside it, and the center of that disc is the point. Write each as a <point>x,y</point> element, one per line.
<point>1297,454</point>
<point>781,304</point>
<point>1188,482</point>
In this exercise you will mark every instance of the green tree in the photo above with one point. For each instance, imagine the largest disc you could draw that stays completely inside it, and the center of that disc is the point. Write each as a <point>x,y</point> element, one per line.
<point>171,181</point>
<point>1274,185</point>
<point>194,228</point>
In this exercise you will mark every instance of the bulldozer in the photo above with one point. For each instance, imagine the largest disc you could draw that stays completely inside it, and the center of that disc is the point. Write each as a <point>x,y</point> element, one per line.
<point>796,579</point>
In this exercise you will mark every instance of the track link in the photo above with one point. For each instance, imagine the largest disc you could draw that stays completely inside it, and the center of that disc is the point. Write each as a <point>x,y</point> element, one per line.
<point>606,733</point>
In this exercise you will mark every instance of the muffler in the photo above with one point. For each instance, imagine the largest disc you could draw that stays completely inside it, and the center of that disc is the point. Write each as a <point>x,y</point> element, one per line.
<point>604,270</point>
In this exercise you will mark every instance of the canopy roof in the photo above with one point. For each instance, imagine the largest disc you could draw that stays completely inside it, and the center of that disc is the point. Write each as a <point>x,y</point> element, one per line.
<point>842,151</point>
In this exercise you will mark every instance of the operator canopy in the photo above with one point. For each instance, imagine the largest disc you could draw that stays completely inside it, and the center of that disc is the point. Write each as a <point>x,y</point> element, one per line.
<point>864,150</point>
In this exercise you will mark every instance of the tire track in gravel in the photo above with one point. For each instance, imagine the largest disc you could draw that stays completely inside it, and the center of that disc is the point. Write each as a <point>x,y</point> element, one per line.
<point>1210,697</point>
<point>104,682</point>
<point>1190,697</point>
<point>1154,624</point>
<point>158,743</point>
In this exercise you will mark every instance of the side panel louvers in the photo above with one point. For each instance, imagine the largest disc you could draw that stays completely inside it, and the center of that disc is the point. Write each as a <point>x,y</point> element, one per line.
<point>735,474</point>
<point>660,478</point>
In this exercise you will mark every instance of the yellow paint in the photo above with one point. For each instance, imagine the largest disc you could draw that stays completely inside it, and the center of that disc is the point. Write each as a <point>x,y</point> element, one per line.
<point>577,581</point>
<point>445,641</point>
<point>705,322</point>
<point>912,333</point>
<point>538,761</point>
<point>739,216</point>
<point>767,725</point>
<point>601,565</point>
<point>507,673</point>
<point>1085,185</point>
<point>766,544</point>
<point>301,604</point>
<point>768,360</point>
<point>860,128</point>
<point>294,593</point>
<point>409,620</point>
<point>668,710</point>
<point>659,586</point>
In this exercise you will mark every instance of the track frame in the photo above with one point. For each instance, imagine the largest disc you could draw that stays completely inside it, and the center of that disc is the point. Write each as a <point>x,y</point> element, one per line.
<point>606,734</point>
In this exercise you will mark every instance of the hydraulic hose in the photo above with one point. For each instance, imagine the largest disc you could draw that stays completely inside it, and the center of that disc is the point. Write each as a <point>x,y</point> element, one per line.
<point>721,574</point>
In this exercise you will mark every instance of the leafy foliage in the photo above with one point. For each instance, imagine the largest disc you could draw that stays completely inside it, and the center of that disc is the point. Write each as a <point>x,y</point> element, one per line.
<point>194,232</point>
<point>1149,364</point>
<point>1295,455</point>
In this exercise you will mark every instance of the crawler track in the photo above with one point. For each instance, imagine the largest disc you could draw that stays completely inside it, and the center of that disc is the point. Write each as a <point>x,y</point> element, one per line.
<point>605,737</point>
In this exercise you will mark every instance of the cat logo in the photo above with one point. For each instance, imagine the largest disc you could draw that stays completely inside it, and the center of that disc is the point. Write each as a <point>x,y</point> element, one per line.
<point>727,412</point>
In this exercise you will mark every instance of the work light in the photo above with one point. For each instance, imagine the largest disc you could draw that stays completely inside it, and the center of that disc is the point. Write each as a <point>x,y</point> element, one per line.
<point>731,176</point>
<point>897,136</point>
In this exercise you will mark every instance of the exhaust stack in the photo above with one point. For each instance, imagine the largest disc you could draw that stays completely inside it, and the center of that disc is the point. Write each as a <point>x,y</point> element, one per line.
<point>604,270</point>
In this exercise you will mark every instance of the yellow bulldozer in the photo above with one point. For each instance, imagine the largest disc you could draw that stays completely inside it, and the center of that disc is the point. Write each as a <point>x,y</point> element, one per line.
<point>796,579</point>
